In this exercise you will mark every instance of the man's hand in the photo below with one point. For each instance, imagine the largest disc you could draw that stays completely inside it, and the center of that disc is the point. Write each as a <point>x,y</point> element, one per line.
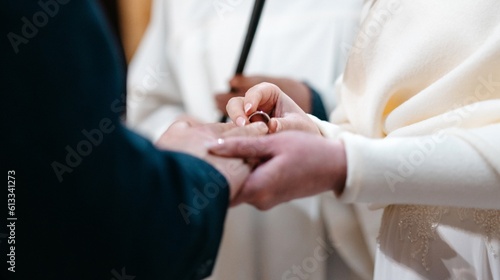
<point>285,114</point>
<point>193,140</point>
<point>296,165</point>
<point>189,119</point>
<point>240,84</point>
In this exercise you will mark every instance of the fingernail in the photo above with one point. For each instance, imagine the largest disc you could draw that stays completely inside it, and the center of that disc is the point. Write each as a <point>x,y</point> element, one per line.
<point>240,121</point>
<point>248,106</point>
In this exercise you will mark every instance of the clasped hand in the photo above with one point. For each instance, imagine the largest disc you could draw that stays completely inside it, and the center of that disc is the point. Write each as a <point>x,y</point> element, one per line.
<point>194,138</point>
<point>264,164</point>
<point>295,160</point>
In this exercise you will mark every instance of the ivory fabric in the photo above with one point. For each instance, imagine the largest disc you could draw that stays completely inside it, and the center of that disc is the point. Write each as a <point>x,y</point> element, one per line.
<point>190,52</point>
<point>419,115</point>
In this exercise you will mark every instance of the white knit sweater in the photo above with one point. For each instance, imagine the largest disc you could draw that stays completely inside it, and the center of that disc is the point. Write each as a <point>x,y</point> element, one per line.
<point>419,110</point>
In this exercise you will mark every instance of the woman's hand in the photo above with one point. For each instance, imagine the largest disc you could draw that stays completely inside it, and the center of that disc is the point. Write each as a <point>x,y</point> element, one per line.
<point>284,112</point>
<point>240,84</point>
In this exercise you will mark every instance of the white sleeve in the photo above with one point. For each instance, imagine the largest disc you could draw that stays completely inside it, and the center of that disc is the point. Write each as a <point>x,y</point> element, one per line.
<point>327,129</point>
<point>455,167</point>
<point>153,97</point>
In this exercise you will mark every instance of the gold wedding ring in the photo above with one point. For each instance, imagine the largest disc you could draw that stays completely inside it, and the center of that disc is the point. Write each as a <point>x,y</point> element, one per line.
<point>263,116</point>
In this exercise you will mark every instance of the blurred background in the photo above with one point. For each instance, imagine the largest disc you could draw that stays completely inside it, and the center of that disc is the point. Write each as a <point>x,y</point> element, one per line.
<point>129,19</point>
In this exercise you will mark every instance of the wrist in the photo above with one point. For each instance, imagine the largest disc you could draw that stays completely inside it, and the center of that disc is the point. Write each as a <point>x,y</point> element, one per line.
<point>339,168</point>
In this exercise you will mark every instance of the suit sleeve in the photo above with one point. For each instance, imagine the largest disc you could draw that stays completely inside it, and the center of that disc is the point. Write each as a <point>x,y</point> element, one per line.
<point>94,200</point>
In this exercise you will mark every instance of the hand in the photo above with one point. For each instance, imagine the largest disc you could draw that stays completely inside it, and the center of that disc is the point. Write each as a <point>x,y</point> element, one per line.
<point>189,119</point>
<point>296,165</point>
<point>193,140</point>
<point>240,84</point>
<point>285,114</point>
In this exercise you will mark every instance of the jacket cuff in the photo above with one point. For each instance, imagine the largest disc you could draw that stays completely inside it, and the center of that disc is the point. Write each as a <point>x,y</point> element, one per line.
<point>317,106</point>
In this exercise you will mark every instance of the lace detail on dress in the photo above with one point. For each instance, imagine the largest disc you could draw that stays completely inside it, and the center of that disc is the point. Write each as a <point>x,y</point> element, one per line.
<point>488,220</point>
<point>419,224</point>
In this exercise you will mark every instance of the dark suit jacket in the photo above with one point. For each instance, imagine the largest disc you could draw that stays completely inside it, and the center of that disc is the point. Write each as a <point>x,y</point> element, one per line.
<point>92,199</point>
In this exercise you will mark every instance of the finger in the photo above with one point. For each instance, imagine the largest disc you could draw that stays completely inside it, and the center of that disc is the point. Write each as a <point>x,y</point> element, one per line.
<point>177,128</point>
<point>241,147</point>
<point>263,96</point>
<point>219,128</point>
<point>257,188</point>
<point>181,124</point>
<point>278,124</point>
<point>192,121</point>
<point>253,129</point>
<point>236,112</point>
<point>223,99</point>
<point>292,122</point>
<point>245,195</point>
<point>274,125</point>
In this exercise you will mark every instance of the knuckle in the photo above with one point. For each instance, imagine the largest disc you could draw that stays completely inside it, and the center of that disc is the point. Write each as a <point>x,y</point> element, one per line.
<point>271,86</point>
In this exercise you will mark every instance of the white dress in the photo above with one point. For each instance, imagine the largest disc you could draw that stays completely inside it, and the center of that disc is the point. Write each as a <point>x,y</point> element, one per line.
<point>439,243</point>
<point>189,53</point>
<point>419,115</point>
